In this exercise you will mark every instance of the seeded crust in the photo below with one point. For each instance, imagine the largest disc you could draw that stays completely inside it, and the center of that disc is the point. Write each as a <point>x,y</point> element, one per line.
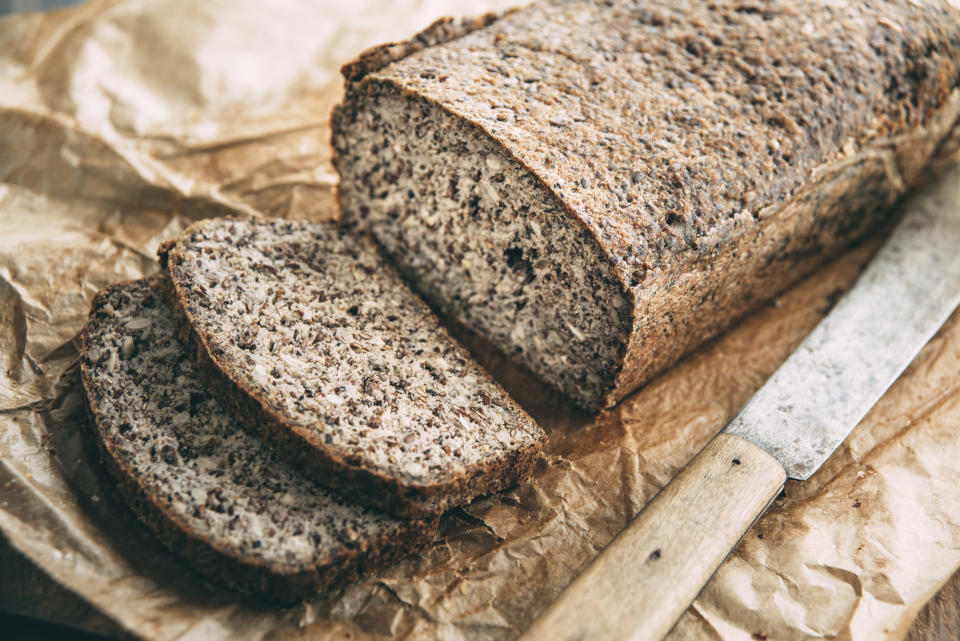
<point>208,490</point>
<point>305,332</point>
<point>597,187</point>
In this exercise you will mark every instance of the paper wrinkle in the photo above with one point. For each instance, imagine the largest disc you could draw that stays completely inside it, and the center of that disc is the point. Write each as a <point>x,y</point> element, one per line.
<point>124,121</point>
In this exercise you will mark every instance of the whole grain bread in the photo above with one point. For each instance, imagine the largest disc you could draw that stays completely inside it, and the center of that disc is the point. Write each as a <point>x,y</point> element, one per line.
<point>208,490</point>
<point>306,333</point>
<point>597,187</point>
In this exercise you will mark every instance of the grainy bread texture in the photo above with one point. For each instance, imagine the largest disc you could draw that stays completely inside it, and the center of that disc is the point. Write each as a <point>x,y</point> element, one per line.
<point>597,187</point>
<point>315,340</point>
<point>210,491</point>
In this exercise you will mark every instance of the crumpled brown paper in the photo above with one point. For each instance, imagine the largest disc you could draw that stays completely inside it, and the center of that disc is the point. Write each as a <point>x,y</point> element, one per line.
<point>121,122</point>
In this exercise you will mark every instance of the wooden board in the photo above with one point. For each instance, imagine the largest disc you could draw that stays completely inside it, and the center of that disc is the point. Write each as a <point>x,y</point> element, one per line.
<point>939,620</point>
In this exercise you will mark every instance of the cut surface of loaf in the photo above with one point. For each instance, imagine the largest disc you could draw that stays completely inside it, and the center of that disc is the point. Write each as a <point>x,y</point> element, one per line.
<point>305,331</point>
<point>210,491</point>
<point>597,187</point>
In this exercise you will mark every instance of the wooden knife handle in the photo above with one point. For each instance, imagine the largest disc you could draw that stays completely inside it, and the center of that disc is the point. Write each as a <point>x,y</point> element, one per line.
<point>647,577</point>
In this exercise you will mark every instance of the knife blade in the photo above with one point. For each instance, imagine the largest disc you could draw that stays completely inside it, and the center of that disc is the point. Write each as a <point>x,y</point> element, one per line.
<point>658,564</point>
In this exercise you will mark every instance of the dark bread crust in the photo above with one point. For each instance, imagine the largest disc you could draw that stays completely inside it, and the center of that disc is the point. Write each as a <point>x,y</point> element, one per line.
<point>404,497</point>
<point>278,583</point>
<point>440,31</point>
<point>876,117</point>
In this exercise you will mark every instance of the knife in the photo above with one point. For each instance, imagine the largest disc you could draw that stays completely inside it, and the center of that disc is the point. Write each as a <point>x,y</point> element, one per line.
<point>654,568</point>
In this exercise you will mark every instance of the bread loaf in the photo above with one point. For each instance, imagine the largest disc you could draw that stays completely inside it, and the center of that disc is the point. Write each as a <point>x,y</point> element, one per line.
<point>209,491</point>
<point>597,187</point>
<point>316,343</point>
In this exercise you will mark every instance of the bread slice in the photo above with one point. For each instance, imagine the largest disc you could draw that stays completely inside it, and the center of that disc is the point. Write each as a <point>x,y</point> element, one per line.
<point>306,332</point>
<point>598,187</point>
<point>210,491</point>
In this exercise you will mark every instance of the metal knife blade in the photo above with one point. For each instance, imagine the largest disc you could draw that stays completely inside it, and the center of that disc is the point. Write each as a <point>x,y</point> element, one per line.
<point>820,393</point>
<point>656,566</point>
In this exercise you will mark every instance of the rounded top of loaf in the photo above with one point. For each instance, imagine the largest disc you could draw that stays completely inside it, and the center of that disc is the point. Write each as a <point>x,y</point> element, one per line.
<point>659,123</point>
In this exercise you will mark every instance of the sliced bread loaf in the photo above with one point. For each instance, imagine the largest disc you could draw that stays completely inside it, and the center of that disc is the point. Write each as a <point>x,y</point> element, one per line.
<point>597,187</point>
<point>210,491</point>
<point>311,337</point>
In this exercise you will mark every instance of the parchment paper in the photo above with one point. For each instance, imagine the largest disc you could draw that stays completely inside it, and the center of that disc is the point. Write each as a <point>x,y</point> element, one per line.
<point>120,122</point>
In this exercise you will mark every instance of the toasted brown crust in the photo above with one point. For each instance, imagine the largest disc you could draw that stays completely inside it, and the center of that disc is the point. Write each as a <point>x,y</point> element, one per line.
<point>876,115</point>
<point>251,576</point>
<point>440,31</point>
<point>399,496</point>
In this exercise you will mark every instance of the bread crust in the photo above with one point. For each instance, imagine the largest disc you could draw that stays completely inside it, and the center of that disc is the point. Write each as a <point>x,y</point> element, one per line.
<point>688,276</point>
<point>225,564</point>
<point>440,31</point>
<point>400,496</point>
